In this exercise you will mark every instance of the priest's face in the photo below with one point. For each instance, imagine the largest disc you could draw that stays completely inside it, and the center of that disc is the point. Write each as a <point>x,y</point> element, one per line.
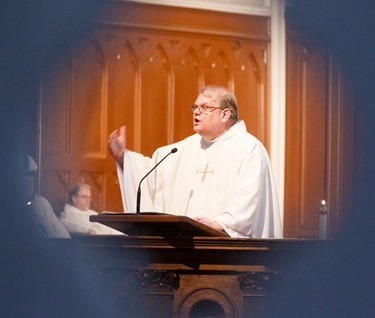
<point>209,123</point>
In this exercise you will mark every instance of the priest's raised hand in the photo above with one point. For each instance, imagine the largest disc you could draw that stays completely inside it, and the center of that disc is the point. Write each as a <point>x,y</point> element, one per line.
<point>117,144</point>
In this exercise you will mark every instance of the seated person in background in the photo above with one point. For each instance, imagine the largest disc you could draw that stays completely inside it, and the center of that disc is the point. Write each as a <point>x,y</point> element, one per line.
<point>76,214</point>
<point>41,209</point>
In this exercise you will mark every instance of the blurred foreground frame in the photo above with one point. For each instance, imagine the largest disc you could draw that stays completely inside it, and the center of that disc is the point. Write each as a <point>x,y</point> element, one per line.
<point>38,278</point>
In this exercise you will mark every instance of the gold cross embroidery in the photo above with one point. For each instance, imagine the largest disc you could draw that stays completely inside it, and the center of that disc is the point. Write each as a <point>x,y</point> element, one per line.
<point>204,172</point>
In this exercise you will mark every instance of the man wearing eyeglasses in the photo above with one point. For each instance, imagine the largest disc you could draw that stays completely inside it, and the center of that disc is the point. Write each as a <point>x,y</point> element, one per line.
<point>76,213</point>
<point>221,176</point>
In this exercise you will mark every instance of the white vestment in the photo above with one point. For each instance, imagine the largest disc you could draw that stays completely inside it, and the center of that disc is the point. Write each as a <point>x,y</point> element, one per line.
<point>78,221</point>
<point>228,180</point>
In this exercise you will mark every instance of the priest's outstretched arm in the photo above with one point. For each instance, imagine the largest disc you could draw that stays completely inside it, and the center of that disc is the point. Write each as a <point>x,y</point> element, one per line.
<point>136,166</point>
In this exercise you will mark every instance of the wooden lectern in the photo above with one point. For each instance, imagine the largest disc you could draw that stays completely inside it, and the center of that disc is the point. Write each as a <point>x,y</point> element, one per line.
<point>172,266</point>
<point>155,224</point>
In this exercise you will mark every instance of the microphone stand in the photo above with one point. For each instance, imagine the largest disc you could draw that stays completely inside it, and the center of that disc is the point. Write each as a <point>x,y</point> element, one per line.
<point>139,185</point>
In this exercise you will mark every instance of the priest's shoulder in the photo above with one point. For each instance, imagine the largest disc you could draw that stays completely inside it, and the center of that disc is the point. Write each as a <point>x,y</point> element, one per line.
<point>179,145</point>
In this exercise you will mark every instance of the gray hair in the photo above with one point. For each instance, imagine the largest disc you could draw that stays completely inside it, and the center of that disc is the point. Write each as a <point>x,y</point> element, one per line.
<point>74,191</point>
<point>223,97</point>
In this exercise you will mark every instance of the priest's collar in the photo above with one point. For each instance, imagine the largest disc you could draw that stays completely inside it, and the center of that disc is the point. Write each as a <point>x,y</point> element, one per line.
<point>239,125</point>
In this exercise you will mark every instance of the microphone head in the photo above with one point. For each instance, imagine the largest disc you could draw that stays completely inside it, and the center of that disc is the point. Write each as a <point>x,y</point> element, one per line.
<point>174,150</point>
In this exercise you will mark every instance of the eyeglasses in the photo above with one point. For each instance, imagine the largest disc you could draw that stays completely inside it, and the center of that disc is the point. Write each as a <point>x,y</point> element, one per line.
<point>204,108</point>
<point>84,197</point>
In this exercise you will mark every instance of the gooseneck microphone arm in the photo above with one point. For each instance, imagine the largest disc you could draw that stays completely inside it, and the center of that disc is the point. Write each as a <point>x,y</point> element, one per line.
<point>174,150</point>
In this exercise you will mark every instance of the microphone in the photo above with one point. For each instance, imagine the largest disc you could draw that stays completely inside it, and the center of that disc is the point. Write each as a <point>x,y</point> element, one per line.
<point>174,150</point>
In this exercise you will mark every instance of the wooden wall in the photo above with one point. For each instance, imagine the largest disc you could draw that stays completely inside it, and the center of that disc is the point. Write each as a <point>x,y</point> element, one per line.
<point>143,66</point>
<point>319,138</point>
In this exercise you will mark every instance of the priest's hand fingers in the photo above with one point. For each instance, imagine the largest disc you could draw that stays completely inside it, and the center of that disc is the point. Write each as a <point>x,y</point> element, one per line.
<point>209,223</point>
<point>123,135</point>
<point>116,145</point>
<point>118,138</point>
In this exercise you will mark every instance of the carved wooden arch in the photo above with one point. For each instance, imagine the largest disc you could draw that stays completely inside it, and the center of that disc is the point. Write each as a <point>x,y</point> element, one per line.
<point>212,294</point>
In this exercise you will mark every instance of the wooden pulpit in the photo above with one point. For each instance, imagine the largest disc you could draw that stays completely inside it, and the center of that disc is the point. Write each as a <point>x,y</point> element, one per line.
<point>172,266</point>
<point>155,224</point>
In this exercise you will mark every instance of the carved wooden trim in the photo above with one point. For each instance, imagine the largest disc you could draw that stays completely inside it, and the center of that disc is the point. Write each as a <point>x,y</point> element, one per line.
<point>201,295</point>
<point>156,280</point>
<point>260,283</point>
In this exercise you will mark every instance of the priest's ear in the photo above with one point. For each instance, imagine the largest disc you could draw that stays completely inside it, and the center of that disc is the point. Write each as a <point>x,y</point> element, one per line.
<point>225,114</point>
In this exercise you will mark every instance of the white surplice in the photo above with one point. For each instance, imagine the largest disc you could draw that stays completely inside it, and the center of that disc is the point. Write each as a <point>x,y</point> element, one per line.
<point>78,221</point>
<point>228,180</point>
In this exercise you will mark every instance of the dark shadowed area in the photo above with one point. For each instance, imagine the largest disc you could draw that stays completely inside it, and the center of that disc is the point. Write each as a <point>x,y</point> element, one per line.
<point>339,282</point>
<point>45,280</point>
<point>38,279</point>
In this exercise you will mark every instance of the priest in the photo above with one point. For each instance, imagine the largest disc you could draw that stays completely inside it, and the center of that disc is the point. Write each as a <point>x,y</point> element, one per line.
<point>221,176</point>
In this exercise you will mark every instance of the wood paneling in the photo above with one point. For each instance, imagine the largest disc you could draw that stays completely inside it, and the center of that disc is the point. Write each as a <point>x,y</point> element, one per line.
<point>305,138</point>
<point>318,139</point>
<point>340,148</point>
<point>143,66</point>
